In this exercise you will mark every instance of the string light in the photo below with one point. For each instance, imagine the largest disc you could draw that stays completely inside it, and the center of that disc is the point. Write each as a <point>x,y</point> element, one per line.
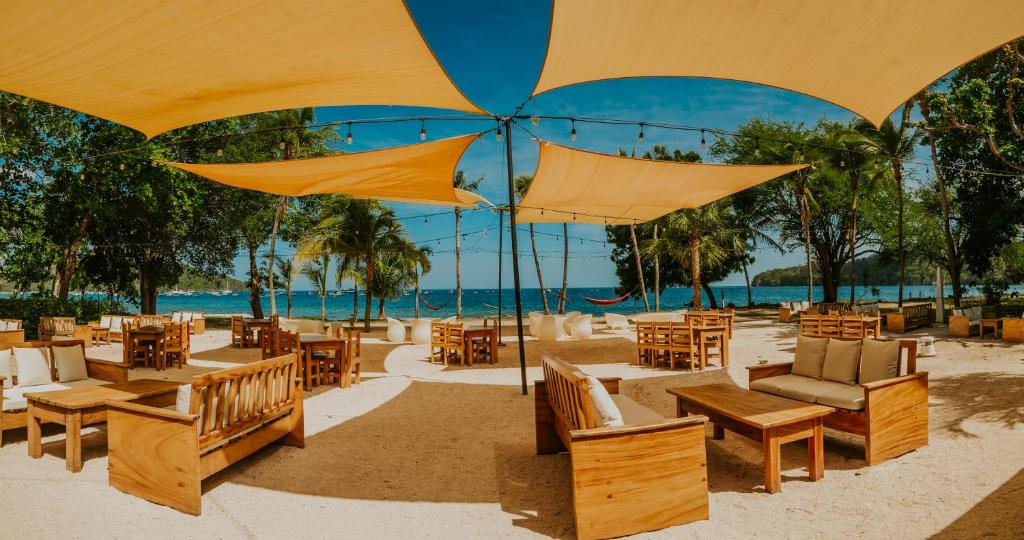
<point>842,163</point>
<point>574,216</point>
<point>535,120</point>
<point>498,135</point>
<point>757,147</point>
<point>640,137</point>
<point>703,143</point>
<point>121,166</point>
<point>423,130</point>
<point>572,134</point>
<point>348,138</point>
<point>82,176</point>
<point>281,146</point>
<point>220,151</point>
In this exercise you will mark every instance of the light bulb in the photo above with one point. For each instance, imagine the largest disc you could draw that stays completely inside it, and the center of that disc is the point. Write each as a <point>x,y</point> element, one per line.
<point>535,120</point>
<point>703,143</point>
<point>82,176</point>
<point>757,148</point>
<point>572,134</point>
<point>121,166</point>
<point>348,138</point>
<point>220,151</point>
<point>574,216</point>
<point>498,136</point>
<point>423,131</point>
<point>842,162</point>
<point>281,146</point>
<point>640,137</point>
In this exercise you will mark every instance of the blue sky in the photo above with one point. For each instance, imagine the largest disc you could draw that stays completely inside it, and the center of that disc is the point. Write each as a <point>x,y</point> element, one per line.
<point>494,52</point>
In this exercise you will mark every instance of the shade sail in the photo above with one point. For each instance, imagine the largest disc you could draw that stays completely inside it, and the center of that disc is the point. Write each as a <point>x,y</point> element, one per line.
<point>575,185</point>
<point>868,56</point>
<point>155,65</point>
<point>420,173</point>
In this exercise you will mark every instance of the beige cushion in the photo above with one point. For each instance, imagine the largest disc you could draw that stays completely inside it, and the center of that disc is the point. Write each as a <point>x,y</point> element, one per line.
<point>879,360</point>
<point>181,400</point>
<point>791,384</point>
<point>70,363</point>
<point>810,356</point>
<point>633,413</point>
<point>33,366</point>
<point>843,396</point>
<point>842,359</point>
<point>14,398</point>
<point>7,367</point>
<point>606,413</point>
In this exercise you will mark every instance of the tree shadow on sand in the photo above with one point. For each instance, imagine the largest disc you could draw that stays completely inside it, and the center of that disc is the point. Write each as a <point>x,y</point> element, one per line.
<point>999,515</point>
<point>985,397</point>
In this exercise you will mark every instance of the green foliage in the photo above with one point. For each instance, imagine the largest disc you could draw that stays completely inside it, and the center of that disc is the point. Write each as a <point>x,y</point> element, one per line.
<point>30,309</point>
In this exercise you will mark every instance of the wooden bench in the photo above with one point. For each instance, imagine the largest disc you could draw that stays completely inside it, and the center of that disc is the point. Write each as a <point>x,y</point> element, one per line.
<point>894,417</point>
<point>911,317</point>
<point>63,328</point>
<point>163,455</point>
<point>649,474</point>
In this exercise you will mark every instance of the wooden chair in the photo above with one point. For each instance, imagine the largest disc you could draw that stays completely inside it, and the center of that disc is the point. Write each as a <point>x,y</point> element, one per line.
<point>437,343</point>
<point>662,343</point>
<point>268,341</point>
<point>810,325</point>
<point>175,345</point>
<point>163,455</point>
<point>149,320</point>
<point>136,350</point>
<point>645,343</point>
<point>713,343</point>
<point>286,342</point>
<point>681,344</point>
<point>853,327</point>
<point>244,338</point>
<point>454,343</point>
<point>649,474</point>
<point>830,326</point>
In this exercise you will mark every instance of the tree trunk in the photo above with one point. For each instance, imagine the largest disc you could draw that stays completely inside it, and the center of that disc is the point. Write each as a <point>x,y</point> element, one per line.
<point>657,275</point>
<point>953,263</point>
<point>62,279</point>
<point>380,309</point>
<point>416,305</point>
<point>897,171</point>
<point>282,203</point>
<point>853,240</point>
<point>829,275</point>
<point>458,266</point>
<point>369,292</point>
<point>565,267</point>
<point>639,267</point>
<point>254,285</point>
<point>805,223</point>
<point>712,301</point>
<point>288,292</point>
<point>323,306</point>
<point>355,302</point>
<point>540,277</point>
<point>698,303</point>
<point>750,292</point>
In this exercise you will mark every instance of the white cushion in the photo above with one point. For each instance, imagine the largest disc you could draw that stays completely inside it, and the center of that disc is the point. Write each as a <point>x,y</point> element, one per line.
<point>606,412</point>
<point>14,398</point>
<point>70,363</point>
<point>4,326</point>
<point>181,401</point>
<point>33,366</point>
<point>115,324</point>
<point>105,322</point>
<point>176,316</point>
<point>7,367</point>
<point>633,413</point>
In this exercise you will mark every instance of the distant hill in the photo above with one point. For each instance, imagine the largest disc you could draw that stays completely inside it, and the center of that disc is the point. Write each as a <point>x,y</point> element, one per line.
<point>194,281</point>
<point>871,270</point>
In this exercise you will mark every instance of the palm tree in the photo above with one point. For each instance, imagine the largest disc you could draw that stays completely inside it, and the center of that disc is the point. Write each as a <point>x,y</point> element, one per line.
<point>639,265</point>
<point>296,140</point>
<point>397,271</point>
<point>895,145</point>
<point>288,271</point>
<point>348,269</point>
<point>460,183</point>
<point>694,236</point>
<point>522,185</point>
<point>317,272</point>
<point>422,267</point>
<point>565,267</point>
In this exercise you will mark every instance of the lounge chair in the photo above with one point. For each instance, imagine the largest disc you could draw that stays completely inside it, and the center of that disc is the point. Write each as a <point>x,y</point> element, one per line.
<point>396,331</point>
<point>616,321</point>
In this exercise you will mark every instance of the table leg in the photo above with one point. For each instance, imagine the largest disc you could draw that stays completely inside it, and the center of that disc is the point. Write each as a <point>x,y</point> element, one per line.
<point>35,446</point>
<point>680,409</point>
<point>816,452</point>
<point>772,461</point>
<point>73,441</point>
<point>306,357</point>
<point>719,432</point>
<point>725,351</point>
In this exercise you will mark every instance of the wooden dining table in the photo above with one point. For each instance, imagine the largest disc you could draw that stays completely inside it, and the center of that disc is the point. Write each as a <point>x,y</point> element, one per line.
<point>145,335</point>
<point>309,344</point>
<point>489,333</point>
<point>263,325</point>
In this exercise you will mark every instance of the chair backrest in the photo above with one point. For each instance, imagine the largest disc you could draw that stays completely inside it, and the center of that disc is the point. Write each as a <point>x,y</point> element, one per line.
<point>285,342</point>
<point>231,401</point>
<point>237,324</point>
<point>681,333</point>
<point>308,326</point>
<point>175,334</point>
<point>437,333</point>
<point>453,334</point>
<point>57,326</point>
<point>568,392</point>
<point>662,334</point>
<point>150,320</point>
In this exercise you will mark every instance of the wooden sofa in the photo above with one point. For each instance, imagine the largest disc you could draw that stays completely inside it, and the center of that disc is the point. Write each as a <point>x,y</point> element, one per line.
<point>964,322</point>
<point>648,474</point>
<point>13,409</point>
<point>11,331</point>
<point>196,321</point>
<point>163,455</point>
<point>63,328</point>
<point>789,311</point>
<point>892,415</point>
<point>909,318</point>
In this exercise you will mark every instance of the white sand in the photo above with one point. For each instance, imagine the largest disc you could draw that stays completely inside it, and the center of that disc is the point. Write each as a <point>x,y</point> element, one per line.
<point>417,451</point>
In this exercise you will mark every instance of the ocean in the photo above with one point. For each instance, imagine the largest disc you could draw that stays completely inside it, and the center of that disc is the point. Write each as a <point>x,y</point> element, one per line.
<point>476,302</point>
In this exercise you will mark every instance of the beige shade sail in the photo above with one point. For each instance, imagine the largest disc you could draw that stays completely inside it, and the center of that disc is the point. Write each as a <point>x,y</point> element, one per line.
<point>868,56</point>
<point>575,185</point>
<point>156,65</point>
<point>420,173</point>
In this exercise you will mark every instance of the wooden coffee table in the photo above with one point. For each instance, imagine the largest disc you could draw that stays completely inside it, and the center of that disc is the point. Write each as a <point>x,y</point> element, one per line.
<point>770,420</point>
<point>84,406</point>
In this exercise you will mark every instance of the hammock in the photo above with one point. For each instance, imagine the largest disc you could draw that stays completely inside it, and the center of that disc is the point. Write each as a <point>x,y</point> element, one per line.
<point>423,298</point>
<point>607,302</point>
<point>486,305</point>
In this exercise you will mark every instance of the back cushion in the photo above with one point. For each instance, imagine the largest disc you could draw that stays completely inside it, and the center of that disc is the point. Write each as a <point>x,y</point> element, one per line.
<point>879,360</point>
<point>105,321</point>
<point>176,316</point>
<point>810,356</point>
<point>842,360</point>
<point>64,327</point>
<point>115,323</point>
<point>7,367</point>
<point>70,363</point>
<point>33,366</point>
<point>181,401</point>
<point>606,413</point>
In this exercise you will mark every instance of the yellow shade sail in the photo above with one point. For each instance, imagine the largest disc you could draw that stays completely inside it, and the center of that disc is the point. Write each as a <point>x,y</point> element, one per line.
<point>156,65</point>
<point>575,185</point>
<point>420,173</point>
<point>868,56</point>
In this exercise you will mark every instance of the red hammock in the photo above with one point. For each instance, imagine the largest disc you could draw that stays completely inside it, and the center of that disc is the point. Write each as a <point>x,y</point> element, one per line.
<point>608,302</point>
<point>423,298</point>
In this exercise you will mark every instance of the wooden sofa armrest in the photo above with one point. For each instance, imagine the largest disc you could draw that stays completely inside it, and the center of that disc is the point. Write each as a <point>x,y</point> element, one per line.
<point>654,427</point>
<point>763,371</point>
<point>153,412</point>
<point>884,383</point>
<point>611,384</point>
<point>115,372</point>
<point>896,415</point>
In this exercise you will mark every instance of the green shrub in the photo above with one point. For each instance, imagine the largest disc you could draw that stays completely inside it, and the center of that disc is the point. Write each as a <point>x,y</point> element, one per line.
<point>29,310</point>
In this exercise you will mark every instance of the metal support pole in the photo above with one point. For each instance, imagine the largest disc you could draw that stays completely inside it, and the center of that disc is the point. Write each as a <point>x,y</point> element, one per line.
<point>501,242</point>
<point>515,249</point>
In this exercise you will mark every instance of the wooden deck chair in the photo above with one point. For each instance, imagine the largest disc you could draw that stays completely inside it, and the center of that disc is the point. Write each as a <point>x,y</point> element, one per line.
<point>437,342</point>
<point>681,344</point>
<point>175,344</point>
<point>455,343</point>
<point>644,342</point>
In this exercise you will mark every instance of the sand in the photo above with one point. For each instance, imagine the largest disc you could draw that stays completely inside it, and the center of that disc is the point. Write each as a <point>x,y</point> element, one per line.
<point>419,451</point>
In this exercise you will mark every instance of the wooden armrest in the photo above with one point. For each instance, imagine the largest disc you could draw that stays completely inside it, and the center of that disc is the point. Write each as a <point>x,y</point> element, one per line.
<point>115,372</point>
<point>611,384</point>
<point>167,414</point>
<point>667,424</point>
<point>763,371</point>
<point>875,385</point>
<point>771,365</point>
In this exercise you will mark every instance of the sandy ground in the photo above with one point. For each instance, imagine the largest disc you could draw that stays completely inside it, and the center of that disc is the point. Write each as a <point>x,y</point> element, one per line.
<point>418,451</point>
